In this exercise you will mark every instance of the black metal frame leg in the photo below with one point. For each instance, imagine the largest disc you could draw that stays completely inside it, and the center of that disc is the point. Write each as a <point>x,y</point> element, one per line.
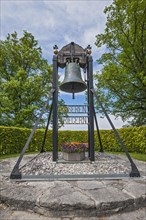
<point>15,174</point>
<point>45,135</point>
<point>134,170</point>
<point>98,132</point>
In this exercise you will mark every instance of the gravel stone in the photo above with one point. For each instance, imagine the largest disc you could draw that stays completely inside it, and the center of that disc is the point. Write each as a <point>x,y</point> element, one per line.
<point>104,164</point>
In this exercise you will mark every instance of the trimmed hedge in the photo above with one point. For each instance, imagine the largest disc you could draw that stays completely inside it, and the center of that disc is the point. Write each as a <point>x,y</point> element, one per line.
<point>13,139</point>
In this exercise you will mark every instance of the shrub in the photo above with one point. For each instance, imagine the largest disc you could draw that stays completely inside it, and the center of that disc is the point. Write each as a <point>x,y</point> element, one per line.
<point>13,139</point>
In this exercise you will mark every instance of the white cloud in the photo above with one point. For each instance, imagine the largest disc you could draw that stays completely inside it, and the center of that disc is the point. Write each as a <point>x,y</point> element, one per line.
<point>55,22</point>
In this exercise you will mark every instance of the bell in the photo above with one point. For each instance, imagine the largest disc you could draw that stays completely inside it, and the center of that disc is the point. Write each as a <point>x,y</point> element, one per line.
<point>73,82</point>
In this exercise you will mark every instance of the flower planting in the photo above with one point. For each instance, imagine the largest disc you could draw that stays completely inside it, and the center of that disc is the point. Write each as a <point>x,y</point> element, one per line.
<point>74,147</point>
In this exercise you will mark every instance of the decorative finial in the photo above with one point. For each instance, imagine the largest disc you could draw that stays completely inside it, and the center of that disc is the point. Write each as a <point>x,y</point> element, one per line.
<point>55,49</point>
<point>88,49</point>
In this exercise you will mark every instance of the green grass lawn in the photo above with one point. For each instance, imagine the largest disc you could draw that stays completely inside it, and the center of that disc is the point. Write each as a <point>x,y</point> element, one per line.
<point>137,156</point>
<point>15,155</point>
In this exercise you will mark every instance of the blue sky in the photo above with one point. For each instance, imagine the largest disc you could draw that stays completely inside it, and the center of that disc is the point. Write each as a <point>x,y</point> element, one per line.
<point>59,22</point>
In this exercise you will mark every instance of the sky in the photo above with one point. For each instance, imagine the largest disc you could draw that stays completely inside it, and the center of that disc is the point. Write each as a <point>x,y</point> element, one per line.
<point>59,22</point>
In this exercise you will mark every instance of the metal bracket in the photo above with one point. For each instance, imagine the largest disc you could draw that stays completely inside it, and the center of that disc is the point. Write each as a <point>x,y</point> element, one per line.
<point>134,171</point>
<point>15,174</point>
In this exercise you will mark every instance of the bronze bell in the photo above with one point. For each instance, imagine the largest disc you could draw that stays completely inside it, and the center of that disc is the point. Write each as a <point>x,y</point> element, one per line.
<point>73,82</point>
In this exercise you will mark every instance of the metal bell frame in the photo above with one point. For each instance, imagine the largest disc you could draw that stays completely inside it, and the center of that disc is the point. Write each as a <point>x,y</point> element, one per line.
<point>72,52</point>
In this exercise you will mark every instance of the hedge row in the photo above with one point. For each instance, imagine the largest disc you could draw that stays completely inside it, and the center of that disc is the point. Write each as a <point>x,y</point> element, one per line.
<point>13,139</point>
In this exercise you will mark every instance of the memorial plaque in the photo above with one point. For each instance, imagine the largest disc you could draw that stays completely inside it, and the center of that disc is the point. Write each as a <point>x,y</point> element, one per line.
<point>75,120</point>
<point>76,109</point>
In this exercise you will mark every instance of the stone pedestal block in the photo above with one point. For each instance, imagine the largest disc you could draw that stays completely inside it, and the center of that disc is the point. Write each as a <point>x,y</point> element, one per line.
<point>76,156</point>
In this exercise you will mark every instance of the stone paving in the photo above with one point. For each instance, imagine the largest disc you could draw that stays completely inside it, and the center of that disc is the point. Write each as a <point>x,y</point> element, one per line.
<point>92,199</point>
<point>6,213</point>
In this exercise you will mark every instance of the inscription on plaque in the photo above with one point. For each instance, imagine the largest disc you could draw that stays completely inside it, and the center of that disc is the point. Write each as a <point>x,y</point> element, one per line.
<point>75,109</point>
<point>75,120</point>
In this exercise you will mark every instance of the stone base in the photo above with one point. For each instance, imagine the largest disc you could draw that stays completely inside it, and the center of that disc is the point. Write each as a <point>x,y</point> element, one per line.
<point>77,156</point>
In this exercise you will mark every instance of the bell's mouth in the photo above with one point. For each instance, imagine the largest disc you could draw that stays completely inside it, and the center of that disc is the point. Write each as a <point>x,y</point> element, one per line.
<point>75,87</point>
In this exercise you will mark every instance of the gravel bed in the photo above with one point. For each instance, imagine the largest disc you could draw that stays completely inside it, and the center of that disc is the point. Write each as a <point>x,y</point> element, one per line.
<point>103,164</point>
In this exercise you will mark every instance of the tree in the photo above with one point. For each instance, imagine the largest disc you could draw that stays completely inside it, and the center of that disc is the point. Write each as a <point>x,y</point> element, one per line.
<point>25,79</point>
<point>122,81</point>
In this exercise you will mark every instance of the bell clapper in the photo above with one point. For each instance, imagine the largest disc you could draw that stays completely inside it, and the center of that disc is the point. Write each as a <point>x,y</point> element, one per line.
<point>73,92</point>
<point>73,95</point>
<point>84,71</point>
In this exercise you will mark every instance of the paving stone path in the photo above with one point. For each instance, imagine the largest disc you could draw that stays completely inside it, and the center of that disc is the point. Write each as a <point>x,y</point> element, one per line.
<point>63,200</point>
